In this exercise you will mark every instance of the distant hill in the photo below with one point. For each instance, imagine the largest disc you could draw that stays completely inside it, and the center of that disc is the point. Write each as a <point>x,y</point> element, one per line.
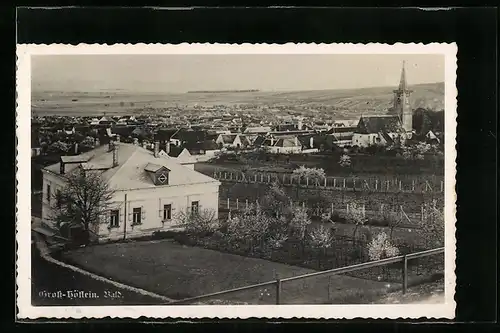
<point>347,103</point>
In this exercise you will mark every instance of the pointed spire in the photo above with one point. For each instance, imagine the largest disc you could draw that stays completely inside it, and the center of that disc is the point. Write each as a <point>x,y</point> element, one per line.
<point>402,82</point>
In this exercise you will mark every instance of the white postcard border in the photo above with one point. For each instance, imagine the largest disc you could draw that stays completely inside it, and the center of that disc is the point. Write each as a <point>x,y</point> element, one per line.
<point>23,176</point>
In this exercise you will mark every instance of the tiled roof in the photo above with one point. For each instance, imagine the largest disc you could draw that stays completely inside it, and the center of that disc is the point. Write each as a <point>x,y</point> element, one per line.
<point>376,124</point>
<point>130,173</point>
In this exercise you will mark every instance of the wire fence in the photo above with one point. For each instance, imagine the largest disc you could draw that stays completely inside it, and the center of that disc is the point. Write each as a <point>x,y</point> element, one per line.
<point>320,287</point>
<point>370,210</point>
<point>371,184</point>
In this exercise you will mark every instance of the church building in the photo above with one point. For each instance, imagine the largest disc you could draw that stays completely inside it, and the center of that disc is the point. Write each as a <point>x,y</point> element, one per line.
<point>386,129</point>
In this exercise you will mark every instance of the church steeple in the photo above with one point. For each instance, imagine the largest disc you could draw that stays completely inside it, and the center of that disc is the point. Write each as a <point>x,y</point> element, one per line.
<point>402,81</point>
<point>402,105</point>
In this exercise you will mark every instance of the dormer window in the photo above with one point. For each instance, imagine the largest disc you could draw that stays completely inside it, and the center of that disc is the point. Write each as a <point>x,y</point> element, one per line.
<point>158,173</point>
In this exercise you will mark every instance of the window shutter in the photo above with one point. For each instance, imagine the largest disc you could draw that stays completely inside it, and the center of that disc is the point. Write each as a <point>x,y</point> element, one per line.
<point>129,213</point>
<point>143,213</point>
<point>121,217</point>
<point>159,208</point>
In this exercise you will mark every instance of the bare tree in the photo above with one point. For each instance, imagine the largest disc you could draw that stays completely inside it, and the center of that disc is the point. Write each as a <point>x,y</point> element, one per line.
<point>83,200</point>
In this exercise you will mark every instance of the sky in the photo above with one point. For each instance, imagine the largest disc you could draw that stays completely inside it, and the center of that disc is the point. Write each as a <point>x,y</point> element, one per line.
<point>182,73</point>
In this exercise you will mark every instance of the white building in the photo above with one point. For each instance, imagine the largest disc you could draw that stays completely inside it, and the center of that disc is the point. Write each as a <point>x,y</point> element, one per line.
<point>151,190</point>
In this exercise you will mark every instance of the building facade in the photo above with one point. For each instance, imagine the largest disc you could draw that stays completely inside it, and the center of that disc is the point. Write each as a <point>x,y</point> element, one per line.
<point>151,191</point>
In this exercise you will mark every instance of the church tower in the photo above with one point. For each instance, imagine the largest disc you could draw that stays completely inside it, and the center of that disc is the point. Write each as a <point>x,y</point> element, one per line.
<point>402,106</point>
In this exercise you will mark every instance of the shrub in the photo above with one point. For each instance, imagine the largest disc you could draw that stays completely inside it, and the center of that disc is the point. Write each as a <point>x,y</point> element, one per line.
<point>381,247</point>
<point>345,161</point>
<point>201,222</point>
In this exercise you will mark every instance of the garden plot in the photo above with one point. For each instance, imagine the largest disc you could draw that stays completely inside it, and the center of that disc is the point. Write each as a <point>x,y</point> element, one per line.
<point>178,272</point>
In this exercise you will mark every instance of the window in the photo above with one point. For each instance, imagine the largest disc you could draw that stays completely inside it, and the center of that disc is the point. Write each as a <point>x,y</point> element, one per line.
<point>48,192</point>
<point>163,178</point>
<point>137,216</point>
<point>167,212</point>
<point>195,205</point>
<point>114,218</point>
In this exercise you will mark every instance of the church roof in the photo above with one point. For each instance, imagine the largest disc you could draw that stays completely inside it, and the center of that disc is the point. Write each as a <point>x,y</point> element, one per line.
<point>376,124</point>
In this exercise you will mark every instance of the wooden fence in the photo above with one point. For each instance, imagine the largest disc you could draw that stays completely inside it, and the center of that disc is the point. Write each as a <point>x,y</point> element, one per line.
<point>382,184</point>
<point>371,211</point>
<point>278,283</point>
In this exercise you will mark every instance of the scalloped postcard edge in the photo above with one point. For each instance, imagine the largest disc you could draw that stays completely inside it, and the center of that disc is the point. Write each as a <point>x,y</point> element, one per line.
<point>25,309</point>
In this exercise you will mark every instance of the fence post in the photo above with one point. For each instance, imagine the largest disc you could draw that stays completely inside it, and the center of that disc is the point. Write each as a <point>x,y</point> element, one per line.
<point>325,182</point>
<point>400,186</point>
<point>334,182</point>
<point>307,181</point>
<point>237,206</point>
<point>344,183</point>
<point>268,178</point>
<point>246,203</point>
<point>405,274</point>
<point>376,184</point>
<point>227,203</point>
<point>353,183</point>
<point>284,178</point>
<point>413,185</point>
<point>442,186</point>
<point>422,213</point>
<point>278,290</point>
<point>225,175</point>
<point>262,178</point>
<point>364,213</point>
<point>303,204</point>
<point>255,178</point>
<point>347,208</point>
<point>332,207</point>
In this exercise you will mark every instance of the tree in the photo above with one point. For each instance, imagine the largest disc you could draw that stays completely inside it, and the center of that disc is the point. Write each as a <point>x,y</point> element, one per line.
<point>58,147</point>
<point>322,239</point>
<point>299,221</point>
<point>355,215</point>
<point>381,247</point>
<point>431,226</point>
<point>203,221</point>
<point>87,143</point>
<point>84,200</point>
<point>275,202</point>
<point>345,161</point>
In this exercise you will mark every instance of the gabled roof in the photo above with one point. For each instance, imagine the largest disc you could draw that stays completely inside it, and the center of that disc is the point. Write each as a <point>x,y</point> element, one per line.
<point>376,124</point>
<point>130,172</point>
<point>152,167</point>
<point>228,138</point>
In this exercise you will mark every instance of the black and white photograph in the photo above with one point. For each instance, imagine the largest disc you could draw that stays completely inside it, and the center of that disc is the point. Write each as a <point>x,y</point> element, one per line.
<point>202,180</point>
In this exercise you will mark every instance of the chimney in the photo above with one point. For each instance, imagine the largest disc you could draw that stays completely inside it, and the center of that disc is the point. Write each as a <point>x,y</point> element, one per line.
<point>157,148</point>
<point>311,142</point>
<point>167,147</point>
<point>61,167</point>
<point>115,156</point>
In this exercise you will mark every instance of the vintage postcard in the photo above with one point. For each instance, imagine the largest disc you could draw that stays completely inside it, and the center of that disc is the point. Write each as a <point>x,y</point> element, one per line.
<point>236,181</point>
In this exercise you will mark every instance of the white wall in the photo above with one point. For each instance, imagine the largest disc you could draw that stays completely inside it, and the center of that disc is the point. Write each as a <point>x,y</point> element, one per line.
<point>151,202</point>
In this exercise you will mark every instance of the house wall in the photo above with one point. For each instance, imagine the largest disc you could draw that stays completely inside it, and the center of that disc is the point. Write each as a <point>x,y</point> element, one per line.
<point>151,202</point>
<point>364,140</point>
<point>285,150</point>
<point>56,183</point>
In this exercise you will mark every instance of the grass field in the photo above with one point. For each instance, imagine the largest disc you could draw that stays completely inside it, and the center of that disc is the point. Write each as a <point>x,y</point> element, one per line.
<point>178,272</point>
